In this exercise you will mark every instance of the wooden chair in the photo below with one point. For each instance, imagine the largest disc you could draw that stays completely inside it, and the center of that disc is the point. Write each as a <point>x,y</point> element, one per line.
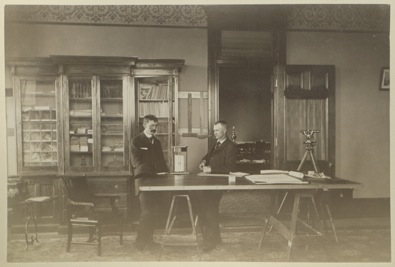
<point>80,211</point>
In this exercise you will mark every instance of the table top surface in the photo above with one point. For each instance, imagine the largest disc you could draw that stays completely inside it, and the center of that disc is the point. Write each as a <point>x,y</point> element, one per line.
<point>172,182</point>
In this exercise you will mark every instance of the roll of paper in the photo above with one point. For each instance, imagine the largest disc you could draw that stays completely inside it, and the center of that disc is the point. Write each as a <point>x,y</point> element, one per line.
<point>296,174</point>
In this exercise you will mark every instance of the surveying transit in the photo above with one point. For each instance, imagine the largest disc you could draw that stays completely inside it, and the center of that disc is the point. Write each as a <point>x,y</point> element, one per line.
<point>309,142</point>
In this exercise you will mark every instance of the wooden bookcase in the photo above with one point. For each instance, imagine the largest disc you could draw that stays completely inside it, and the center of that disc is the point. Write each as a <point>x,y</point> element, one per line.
<point>75,117</point>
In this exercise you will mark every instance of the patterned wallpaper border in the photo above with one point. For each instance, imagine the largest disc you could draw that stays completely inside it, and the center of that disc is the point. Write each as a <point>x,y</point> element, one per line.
<point>145,15</point>
<point>339,17</point>
<point>300,17</point>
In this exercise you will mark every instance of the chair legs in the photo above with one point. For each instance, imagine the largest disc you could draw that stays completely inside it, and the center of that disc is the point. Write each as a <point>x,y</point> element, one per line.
<point>69,236</point>
<point>94,228</point>
<point>98,232</point>
<point>120,232</point>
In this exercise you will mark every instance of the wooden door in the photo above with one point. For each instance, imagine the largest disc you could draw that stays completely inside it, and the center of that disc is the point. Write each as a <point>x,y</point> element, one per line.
<point>304,99</point>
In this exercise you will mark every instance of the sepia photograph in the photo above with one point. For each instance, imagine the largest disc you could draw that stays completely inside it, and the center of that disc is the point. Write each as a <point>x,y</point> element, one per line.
<point>196,133</point>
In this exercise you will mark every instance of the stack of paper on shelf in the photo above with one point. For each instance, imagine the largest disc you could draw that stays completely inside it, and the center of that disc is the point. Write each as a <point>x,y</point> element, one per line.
<point>84,144</point>
<point>74,144</point>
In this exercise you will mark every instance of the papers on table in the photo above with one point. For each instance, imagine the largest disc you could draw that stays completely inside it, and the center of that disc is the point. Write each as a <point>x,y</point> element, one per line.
<point>239,174</point>
<point>275,178</point>
<point>291,173</point>
<point>212,174</point>
<point>318,176</point>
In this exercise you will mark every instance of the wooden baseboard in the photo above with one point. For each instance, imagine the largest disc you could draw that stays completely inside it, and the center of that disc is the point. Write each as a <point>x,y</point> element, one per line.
<point>361,208</point>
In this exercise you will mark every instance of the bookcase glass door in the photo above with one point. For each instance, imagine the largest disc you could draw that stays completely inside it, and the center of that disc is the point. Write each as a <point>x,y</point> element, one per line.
<point>155,96</point>
<point>38,122</point>
<point>81,127</point>
<point>112,148</point>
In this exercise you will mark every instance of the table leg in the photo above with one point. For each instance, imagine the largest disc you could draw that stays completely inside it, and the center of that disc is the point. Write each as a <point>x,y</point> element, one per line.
<point>294,219</point>
<point>273,198</point>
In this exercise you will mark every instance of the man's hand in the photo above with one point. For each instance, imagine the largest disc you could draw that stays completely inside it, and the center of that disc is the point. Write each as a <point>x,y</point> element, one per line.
<point>202,164</point>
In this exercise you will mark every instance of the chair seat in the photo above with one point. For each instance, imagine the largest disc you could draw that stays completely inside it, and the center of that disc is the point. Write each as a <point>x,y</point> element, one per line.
<point>82,212</point>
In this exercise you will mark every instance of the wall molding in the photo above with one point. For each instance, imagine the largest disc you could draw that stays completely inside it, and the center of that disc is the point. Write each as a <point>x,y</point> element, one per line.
<point>339,17</point>
<point>356,18</point>
<point>371,18</point>
<point>139,15</point>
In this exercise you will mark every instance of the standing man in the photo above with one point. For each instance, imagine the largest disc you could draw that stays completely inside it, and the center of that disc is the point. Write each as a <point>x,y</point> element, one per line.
<point>222,159</point>
<point>148,161</point>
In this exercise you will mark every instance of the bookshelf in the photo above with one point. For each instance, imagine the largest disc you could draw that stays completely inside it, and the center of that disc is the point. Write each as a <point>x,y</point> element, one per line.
<point>156,85</point>
<point>75,117</point>
<point>80,123</point>
<point>77,114</point>
<point>96,123</point>
<point>37,109</point>
<point>113,154</point>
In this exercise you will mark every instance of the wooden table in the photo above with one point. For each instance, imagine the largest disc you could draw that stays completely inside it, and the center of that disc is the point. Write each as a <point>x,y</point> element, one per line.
<point>173,182</point>
<point>199,182</point>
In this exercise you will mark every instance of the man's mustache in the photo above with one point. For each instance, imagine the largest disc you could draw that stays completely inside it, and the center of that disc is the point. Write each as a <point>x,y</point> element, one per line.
<point>153,131</point>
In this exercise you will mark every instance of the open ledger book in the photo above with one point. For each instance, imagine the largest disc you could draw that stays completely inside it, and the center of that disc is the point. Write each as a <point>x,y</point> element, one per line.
<point>277,177</point>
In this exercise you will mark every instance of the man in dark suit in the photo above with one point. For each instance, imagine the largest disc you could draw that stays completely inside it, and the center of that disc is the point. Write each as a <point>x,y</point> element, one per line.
<point>221,158</point>
<point>148,161</point>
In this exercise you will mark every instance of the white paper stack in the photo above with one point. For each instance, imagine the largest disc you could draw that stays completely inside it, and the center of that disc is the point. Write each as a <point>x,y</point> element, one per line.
<point>276,177</point>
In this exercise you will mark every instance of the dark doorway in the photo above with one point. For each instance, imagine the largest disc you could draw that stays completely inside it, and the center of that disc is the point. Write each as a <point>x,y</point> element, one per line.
<point>245,101</point>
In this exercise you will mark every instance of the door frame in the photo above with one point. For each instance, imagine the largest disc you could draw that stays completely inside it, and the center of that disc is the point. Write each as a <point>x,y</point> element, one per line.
<point>280,149</point>
<point>214,63</point>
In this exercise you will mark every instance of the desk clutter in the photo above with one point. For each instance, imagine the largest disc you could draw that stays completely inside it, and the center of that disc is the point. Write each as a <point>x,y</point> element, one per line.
<point>253,156</point>
<point>277,177</point>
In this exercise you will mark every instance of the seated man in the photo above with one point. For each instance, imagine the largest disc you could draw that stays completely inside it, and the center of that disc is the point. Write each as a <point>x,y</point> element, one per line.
<point>147,161</point>
<point>222,159</point>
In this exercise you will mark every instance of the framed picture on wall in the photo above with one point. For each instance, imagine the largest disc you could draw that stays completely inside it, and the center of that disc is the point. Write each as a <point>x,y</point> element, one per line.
<point>385,79</point>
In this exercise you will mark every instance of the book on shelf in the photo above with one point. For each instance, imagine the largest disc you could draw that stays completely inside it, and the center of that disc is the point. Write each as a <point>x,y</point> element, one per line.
<point>145,91</point>
<point>42,107</point>
<point>111,92</point>
<point>157,108</point>
<point>81,112</point>
<point>151,91</point>
<point>26,108</point>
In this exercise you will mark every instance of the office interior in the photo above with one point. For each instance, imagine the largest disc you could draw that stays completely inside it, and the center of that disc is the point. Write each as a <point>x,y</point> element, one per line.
<point>235,64</point>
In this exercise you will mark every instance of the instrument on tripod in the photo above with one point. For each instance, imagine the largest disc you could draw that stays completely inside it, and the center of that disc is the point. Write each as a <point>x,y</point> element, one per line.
<point>309,142</point>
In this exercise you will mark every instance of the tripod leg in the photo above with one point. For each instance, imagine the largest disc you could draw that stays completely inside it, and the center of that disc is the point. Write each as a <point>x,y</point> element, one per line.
<point>302,161</point>
<point>313,160</point>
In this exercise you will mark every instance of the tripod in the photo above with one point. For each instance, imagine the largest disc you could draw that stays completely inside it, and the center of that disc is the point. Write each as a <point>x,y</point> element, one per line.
<point>309,149</point>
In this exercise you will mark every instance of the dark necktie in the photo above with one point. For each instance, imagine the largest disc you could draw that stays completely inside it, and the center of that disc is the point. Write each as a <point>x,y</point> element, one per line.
<point>151,139</point>
<point>217,145</point>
